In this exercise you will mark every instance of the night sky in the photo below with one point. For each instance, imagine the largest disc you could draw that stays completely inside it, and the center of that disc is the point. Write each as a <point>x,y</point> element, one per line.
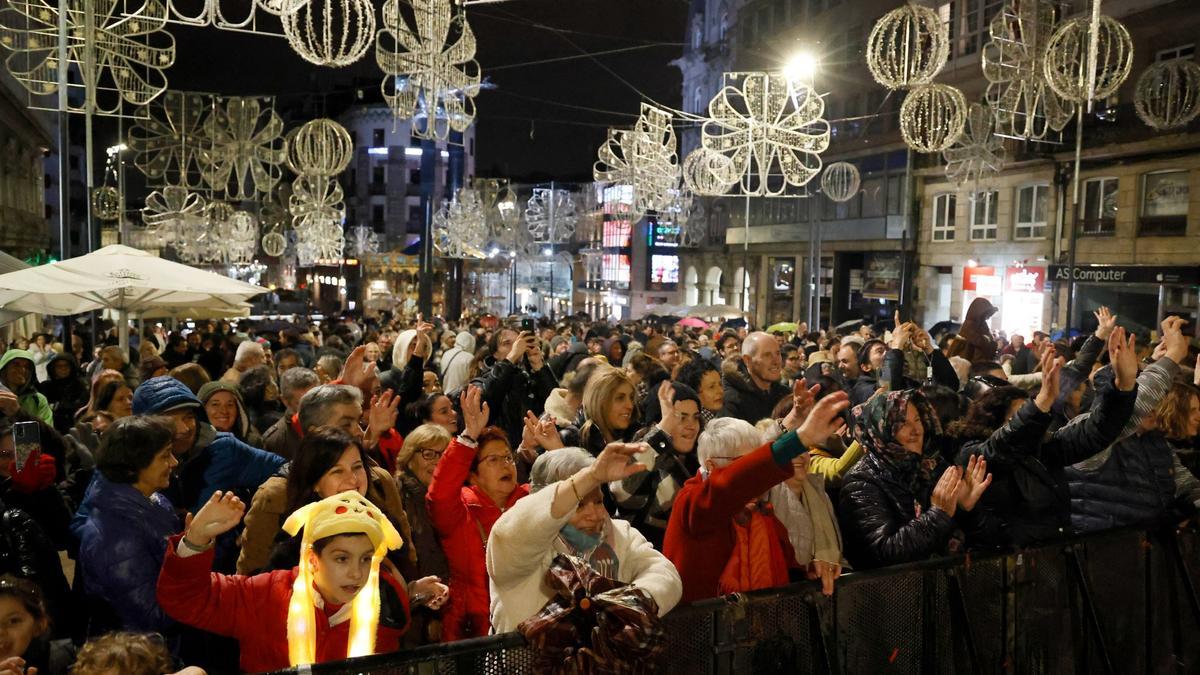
<point>523,130</point>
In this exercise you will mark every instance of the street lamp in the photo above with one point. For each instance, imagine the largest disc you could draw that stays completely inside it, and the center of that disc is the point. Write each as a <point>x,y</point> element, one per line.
<point>801,67</point>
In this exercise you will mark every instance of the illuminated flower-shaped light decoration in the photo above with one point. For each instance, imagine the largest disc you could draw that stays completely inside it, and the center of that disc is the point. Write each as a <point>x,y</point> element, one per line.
<point>460,227</point>
<point>112,46</point>
<point>430,72</point>
<point>1013,62</point>
<point>551,216</point>
<point>363,241</point>
<point>316,199</point>
<point>173,211</point>
<point>168,138</point>
<point>978,153</point>
<point>246,150</point>
<point>644,157</point>
<point>772,130</point>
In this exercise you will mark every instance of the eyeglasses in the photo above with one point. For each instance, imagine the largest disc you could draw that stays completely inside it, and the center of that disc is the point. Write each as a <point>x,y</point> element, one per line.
<point>431,455</point>
<point>499,459</point>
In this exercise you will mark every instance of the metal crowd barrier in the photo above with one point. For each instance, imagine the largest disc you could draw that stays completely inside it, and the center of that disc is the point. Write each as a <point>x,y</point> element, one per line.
<point>1113,603</point>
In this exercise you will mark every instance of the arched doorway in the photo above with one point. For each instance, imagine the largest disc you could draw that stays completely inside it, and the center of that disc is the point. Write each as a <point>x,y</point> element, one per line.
<point>691,287</point>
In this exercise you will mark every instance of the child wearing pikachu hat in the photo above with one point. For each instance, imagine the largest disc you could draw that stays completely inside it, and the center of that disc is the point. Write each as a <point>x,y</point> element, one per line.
<point>343,599</point>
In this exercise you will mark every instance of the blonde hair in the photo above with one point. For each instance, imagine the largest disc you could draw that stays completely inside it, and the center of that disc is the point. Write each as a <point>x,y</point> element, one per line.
<point>602,386</point>
<point>125,653</point>
<point>422,436</point>
<point>1172,413</point>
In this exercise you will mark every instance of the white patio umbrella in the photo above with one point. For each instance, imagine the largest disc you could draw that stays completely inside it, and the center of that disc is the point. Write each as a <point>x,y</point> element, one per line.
<point>120,278</point>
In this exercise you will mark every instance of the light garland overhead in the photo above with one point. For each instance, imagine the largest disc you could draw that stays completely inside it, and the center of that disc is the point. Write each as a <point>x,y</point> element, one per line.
<point>907,47</point>
<point>332,33</point>
<point>171,211</point>
<point>708,172</point>
<point>978,153</point>
<point>643,158</point>
<point>841,181</point>
<point>111,49</point>
<point>460,228</point>
<point>1083,67</point>
<point>932,117</point>
<point>168,138</point>
<point>1168,94</point>
<point>430,72</point>
<point>550,216</point>
<point>771,128</point>
<point>246,150</point>
<point>321,147</point>
<point>1013,62</point>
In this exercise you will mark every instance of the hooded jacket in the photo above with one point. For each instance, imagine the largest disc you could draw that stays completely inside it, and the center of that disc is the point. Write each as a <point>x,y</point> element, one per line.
<point>66,394</point>
<point>511,390</point>
<point>242,429</point>
<point>745,401</point>
<point>456,362</point>
<point>406,376</point>
<point>981,346</point>
<point>28,397</point>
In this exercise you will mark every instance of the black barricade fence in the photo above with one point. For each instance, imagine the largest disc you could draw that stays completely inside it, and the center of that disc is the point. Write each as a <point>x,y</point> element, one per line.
<point>1117,602</point>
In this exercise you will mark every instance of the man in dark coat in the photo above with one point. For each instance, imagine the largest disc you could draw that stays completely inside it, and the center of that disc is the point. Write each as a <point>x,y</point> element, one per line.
<point>65,390</point>
<point>752,393</point>
<point>515,380</point>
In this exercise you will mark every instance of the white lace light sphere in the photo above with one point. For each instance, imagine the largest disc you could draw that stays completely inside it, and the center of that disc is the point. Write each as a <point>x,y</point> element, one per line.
<point>321,147</point>
<point>1168,94</point>
<point>331,32</point>
<point>1066,64</point>
<point>708,172</point>
<point>841,181</point>
<point>907,47</point>
<point>932,117</point>
<point>274,244</point>
<point>106,203</point>
<point>219,211</point>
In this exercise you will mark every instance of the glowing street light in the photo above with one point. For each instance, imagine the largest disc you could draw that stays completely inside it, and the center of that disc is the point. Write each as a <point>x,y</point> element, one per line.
<point>801,67</point>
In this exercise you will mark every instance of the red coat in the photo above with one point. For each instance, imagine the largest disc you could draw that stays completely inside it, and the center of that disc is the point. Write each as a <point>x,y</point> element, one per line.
<point>253,609</point>
<point>463,517</point>
<point>700,536</point>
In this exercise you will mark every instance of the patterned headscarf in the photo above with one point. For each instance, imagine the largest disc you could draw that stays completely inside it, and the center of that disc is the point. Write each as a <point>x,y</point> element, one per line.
<point>876,423</point>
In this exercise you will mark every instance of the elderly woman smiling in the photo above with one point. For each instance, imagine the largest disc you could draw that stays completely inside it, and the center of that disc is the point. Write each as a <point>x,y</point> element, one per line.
<point>565,514</point>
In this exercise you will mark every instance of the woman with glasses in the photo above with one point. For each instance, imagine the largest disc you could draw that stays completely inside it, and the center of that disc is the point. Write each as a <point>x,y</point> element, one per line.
<point>423,448</point>
<point>474,482</point>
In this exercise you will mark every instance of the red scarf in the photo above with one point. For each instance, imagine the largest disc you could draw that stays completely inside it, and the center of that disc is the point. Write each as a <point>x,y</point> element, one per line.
<point>757,560</point>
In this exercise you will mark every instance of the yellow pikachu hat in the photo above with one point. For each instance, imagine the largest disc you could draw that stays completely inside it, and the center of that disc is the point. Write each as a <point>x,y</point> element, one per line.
<point>345,513</point>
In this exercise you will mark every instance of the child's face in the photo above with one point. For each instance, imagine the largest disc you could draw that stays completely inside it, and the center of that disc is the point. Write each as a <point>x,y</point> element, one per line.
<point>342,568</point>
<point>17,628</point>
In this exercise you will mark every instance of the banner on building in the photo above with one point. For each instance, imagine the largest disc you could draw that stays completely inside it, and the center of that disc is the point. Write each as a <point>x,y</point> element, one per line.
<point>881,278</point>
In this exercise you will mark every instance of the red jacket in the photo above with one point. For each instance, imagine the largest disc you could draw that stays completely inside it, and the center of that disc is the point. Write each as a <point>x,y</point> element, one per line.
<point>700,537</point>
<point>463,517</point>
<point>253,609</point>
<point>390,444</point>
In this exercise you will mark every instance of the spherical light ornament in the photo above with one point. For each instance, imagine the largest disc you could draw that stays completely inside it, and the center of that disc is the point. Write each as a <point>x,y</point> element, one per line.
<point>1168,94</point>
<point>932,117</point>
<point>274,244</point>
<point>907,47</point>
<point>321,147</point>
<point>331,32</point>
<point>106,203</point>
<point>219,211</point>
<point>708,172</point>
<point>840,182</point>
<point>1067,66</point>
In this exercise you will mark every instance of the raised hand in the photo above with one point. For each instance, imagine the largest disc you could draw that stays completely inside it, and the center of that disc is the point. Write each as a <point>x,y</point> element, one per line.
<point>902,335</point>
<point>220,514</point>
<point>356,372</point>
<point>1106,321</point>
<point>945,493</point>
<point>9,404</point>
<point>803,400</point>
<point>536,358</point>
<point>547,435</point>
<point>382,414</point>
<point>1122,355</point>
<point>519,348</point>
<point>1174,341</point>
<point>613,462</point>
<point>824,420</point>
<point>475,411</point>
<point>666,405</point>
<point>1051,368</point>
<point>975,481</point>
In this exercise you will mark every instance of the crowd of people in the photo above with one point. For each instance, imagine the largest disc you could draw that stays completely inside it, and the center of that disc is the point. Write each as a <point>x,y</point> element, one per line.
<point>371,485</point>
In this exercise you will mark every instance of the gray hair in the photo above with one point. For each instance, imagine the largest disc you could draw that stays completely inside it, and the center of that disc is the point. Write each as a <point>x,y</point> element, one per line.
<point>750,344</point>
<point>316,402</point>
<point>557,465</point>
<point>294,379</point>
<point>727,437</point>
<point>247,349</point>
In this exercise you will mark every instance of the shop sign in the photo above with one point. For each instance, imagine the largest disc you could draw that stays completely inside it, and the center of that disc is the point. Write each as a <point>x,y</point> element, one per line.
<point>1128,274</point>
<point>1025,279</point>
<point>974,276</point>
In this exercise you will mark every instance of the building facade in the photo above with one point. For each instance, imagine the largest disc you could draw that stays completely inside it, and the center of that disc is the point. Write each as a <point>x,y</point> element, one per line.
<point>26,141</point>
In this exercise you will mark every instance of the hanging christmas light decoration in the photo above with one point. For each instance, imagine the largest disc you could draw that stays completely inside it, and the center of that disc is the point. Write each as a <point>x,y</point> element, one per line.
<point>218,211</point>
<point>708,172</point>
<point>907,47</point>
<point>332,33</point>
<point>363,241</point>
<point>771,129</point>
<point>274,243</point>
<point>321,147</point>
<point>1013,62</point>
<point>841,181</point>
<point>280,7</point>
<point>551,216</point>
<point>460,226</point>
<point>106,203</point>
<point>978,153</point>
<point>932,117</point>
<point>1083,65</point>
<point>644,158</point>
<point>1168,94</point>
<point>112,47</point>
<point>240,233</point>
<point>167,139</point>
<point>314,200</point>
<point>246,150</point>
<point>327,239</point>
<point>430,72</point>
<point>171,210</point>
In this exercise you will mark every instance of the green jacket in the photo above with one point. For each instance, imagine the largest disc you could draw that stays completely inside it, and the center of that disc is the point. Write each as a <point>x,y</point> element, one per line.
<point>29,397</point>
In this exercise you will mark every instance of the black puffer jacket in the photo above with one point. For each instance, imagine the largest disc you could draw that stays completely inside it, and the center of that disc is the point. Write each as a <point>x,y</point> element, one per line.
<point>745,401</point>
<point>510,390</point>
<point>26,552</point>
<point>66,394</point>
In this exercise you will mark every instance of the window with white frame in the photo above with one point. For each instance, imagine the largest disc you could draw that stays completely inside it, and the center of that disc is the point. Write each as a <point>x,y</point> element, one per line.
<point>983,215</point>
<point>1099,215</point>
<point>1187,51</point>
<point>1165,201</point>
<point>1031,211</point>
<point>943,217</point>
